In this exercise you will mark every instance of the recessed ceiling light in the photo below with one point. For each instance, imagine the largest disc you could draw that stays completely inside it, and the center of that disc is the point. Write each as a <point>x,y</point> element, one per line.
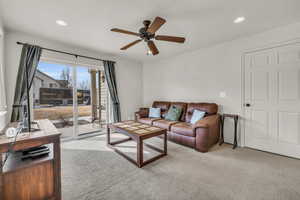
<point>61,23</point>
<point>239,20</point>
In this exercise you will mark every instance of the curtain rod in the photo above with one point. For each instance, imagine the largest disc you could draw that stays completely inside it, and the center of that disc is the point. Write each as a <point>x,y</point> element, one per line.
<point>68,53</point>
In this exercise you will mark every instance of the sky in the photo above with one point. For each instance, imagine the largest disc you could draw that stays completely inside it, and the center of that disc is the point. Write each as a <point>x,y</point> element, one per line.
<point>54,70</point>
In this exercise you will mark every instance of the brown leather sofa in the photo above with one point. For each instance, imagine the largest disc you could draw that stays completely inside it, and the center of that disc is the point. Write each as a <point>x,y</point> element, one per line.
<point>200,136</point>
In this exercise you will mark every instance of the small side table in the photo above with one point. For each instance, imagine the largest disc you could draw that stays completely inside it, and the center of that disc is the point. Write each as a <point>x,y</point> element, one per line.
<point>235,118</point>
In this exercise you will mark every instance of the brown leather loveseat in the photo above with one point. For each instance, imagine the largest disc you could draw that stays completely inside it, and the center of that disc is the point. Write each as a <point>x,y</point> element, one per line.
<point>201,135</point>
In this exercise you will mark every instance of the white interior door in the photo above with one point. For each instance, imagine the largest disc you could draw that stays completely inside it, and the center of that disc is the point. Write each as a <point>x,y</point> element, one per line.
<point>272,92</point>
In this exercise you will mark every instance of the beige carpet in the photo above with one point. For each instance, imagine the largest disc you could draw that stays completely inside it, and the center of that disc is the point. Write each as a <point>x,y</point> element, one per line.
<point>90,171</point>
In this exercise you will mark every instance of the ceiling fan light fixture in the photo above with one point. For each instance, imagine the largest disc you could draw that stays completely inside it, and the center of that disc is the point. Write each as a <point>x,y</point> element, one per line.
<point>149,53</point>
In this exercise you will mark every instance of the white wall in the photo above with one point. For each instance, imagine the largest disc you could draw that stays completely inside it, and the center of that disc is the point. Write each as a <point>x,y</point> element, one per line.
<point>200,76</point>
<point>129,73</point>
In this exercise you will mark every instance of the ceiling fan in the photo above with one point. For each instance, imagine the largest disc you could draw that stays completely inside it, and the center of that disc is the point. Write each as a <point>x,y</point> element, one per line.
<point>147,33</point>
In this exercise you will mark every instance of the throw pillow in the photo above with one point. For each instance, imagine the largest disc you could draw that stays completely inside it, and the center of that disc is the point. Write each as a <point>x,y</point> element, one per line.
<point>197,115</point>
<point>173,113</point>
<point>154,112</point>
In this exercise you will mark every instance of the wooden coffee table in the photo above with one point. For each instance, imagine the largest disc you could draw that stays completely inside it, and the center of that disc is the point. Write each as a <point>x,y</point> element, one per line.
<point>138,132</point>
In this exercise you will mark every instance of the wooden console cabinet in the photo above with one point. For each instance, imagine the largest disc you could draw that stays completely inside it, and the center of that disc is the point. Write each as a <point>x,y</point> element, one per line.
<point>32,179</point>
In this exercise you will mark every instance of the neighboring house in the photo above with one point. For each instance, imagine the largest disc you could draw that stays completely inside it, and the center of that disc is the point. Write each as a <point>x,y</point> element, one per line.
<point>47,90</point>
<point>42,80</point>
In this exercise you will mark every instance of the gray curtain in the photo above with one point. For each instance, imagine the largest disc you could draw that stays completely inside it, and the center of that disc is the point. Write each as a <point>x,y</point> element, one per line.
<point>29,60</point>
<point>109,70</point>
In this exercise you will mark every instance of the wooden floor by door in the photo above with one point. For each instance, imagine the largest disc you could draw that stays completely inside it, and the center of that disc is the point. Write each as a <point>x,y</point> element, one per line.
<point>272,100</point>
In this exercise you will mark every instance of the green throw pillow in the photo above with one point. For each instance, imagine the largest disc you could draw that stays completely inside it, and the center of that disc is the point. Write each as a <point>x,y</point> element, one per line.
<point>173,113</point>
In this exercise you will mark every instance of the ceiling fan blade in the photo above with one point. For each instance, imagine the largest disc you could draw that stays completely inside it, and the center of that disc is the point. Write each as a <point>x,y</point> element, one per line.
<point>152,47</point>
<point>130,44</point>
<point>124,31</point>
<point>170,38</point>
<point>156,24</point>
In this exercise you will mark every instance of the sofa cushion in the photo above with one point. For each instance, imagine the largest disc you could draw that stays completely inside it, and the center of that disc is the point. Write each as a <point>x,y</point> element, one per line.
<point>183,128</point>
<point>147,120</point>
<point>163,105</point>
<point>197,115</point>
<point>162,123</point>
<point>181,105</point>
<point>173,113</point>
<point>208,108</point>
<point>154,113</point>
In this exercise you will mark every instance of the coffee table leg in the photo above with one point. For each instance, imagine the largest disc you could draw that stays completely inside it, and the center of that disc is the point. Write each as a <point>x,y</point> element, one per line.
<point>108,135</point>
<point>165,144</point>
<point>140,153</point>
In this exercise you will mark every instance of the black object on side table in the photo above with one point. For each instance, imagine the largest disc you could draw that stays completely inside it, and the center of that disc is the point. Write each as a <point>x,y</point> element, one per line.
<point>235,118</point>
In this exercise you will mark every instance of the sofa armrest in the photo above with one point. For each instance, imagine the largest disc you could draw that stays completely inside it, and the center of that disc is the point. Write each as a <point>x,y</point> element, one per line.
<point>207,132</point>
<point>142,113</point>
<point>206,122</point>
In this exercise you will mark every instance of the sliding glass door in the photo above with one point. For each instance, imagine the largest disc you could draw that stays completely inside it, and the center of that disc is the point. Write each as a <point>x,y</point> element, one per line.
<point>73,97</point>
<point>91,100</point>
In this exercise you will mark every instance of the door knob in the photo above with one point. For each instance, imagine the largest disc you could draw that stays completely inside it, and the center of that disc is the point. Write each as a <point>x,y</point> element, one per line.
<point>247,104</point>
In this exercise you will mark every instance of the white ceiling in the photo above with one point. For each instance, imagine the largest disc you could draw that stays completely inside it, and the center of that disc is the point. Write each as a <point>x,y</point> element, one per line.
<point>202,22</point>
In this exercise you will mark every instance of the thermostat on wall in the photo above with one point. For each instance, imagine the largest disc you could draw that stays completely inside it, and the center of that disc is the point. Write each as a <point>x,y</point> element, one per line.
<point>222,94</point>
